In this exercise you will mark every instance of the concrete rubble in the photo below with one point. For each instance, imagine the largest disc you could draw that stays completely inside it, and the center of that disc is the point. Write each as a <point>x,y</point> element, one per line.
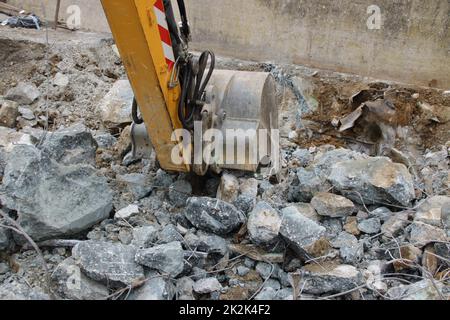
<point>348,217</point>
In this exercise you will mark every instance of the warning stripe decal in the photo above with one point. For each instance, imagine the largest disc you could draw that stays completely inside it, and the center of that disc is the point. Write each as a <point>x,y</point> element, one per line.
<point>164,33</point>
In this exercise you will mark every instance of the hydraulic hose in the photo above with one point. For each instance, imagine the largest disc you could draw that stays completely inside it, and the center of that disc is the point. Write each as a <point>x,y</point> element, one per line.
<point>193,89</point>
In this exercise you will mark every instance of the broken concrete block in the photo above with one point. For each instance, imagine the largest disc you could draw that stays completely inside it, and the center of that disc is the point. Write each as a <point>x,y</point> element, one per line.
<point>185,290</point>
<point>264,224</point>
<point>115,107</point>
<point>108,263</point>
<point>14,290</point>
<point>144,237</point>
<point>420,291</point>
<point>9,111</point>
<point>180,192</point>
<point>319,280</point>
<point>53,200</point>
<point>374,180</point>
<point>213,215</point>
<point>208,285</point>
<point>210,244</point>
<point>166,258</point>
<point>9,138</point>
<point>72,284</point>
<point>395,224</point>
<point>370,226</point>
<point>248,192</point>
<point>70,146</point>
<point>24,93</point>
<point>351,250</point>
<point>60,80</point>
<point>331,205</point>
<point>156,288</point>
<point>228,188</point>
<point>430,212</point>
<point>301,232</point>
<point>421,234</point>
<point>138,184</point>
<point>4,239</point>
<point>127,212</point>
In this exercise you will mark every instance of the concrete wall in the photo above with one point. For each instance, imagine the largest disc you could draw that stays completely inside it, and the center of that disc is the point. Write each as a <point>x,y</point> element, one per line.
<point>412,46</point>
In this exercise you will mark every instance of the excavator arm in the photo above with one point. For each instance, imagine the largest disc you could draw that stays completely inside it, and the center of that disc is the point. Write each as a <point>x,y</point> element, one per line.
<point>176,92</point>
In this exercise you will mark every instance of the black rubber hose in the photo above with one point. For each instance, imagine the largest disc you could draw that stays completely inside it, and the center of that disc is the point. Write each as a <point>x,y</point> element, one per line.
<point>193,89</point>
<point>185,29</point>
<point>134,113</point>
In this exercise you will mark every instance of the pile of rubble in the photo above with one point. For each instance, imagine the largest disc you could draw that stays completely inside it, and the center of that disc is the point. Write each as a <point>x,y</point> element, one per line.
<point>340,224</point>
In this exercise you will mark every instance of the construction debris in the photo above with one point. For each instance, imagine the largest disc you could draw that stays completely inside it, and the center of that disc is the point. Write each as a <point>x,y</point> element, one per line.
<point>360,209</point>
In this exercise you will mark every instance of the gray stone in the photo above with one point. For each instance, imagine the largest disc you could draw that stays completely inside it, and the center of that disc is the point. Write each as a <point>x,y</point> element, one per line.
<point>163,179</point>
<point>166,258</point>
<point>14,290</point>
<point>72,284</point>
<point>395,224</point>
<point>208,285</point>
<point>374,179</point>
<point>210,244</point>
<point>180,192</point>
<point>304,156</point>
<point>443,250</point>
<point>23,93</point>
<point>115,107</point>
<point>301,232</point>
<point>247,198</point>
<point>384,214</point>
<point>105,140</point>
<point>228,188</point>
<point>125,236</point>
<point>332,279</point>
<point>213,215</point>
<point>333,226</point>
<point>185,290</point>
<point>446,218</point>
<point>272,283</point>
<point>9,111</point>
<point>421,234</point>
<point>264,224</point>
<point>370,226</point>
<point>60,80</point>
<point>138,185</point>
<point>331,205</point>
<point>266,294</point>
<point>9,139</point>
<point>170,234</point>
<point>265,270</point>
<point>53,200</point>
<point>127,212</point>
<point>309,184</point>
<point>108,263</point>
<point>350,249</point>
<point>242,271</point>
<point>156,288</point>
<point>4,239</point>
<point>308,211</point>
<point>4,268</point>
<point>26,113</point>
<point>70,146</point>
<point>431,211</point>
<point>420,291</point>
<point>145,237</point>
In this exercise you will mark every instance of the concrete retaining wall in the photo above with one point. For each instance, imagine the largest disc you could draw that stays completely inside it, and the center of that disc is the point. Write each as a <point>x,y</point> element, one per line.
<point>412,45</point>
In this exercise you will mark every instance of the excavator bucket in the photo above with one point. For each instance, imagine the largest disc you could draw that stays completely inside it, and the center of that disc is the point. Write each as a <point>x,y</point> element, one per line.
<point>247,105</point>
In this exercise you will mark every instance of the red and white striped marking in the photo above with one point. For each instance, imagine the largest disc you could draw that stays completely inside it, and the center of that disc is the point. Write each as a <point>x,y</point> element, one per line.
<point>164,33</point>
